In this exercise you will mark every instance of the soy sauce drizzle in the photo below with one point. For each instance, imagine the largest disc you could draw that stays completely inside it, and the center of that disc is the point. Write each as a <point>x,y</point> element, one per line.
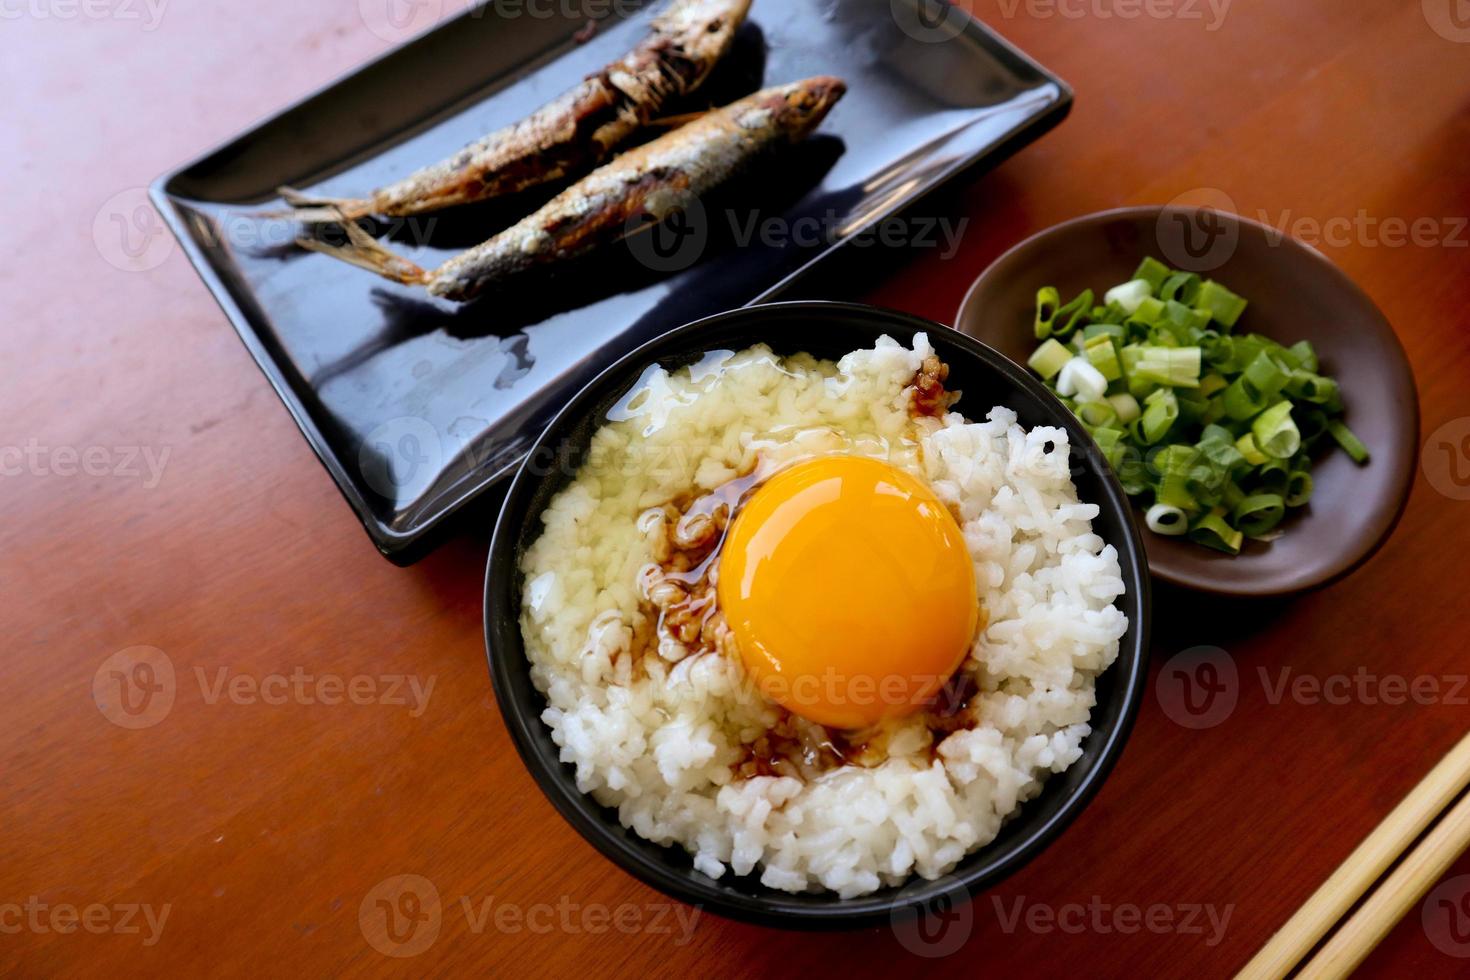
<point>698,527</point>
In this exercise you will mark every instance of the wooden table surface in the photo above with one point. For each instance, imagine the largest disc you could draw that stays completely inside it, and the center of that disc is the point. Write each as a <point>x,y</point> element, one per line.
<point>156,494</point>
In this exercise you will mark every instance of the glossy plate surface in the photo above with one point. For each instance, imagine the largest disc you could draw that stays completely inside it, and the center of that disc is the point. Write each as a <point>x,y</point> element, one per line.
<point>1295,293</point>
<point>826,330</point>
<point>416,406</point>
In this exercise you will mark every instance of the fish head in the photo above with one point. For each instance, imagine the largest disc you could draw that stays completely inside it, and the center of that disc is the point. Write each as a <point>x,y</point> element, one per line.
<point>801,106</point>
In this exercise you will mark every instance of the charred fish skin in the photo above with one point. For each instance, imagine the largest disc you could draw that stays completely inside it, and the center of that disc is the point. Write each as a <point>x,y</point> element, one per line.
<point>653,179</point>
<point>575,131</point>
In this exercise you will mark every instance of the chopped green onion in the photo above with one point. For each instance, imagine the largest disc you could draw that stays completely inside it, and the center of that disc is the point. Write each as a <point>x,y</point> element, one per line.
<point>1276,433</point>
<point>1309,387</point>
<point>1126,406</point>
<point>1070,316</point>
<point>1160,410</point>
<point>1192,405</point>
<point>1305,354</point>
<point>1129,355</point>
<point>1080,378</point>
<point>1232,495</point>
<point>1103,355</point>
<point>1177,477</point>
<point>1181,324</point>
<point>1211,383</point>
<point>1259,513</point>
<point>1273,475</point>
<point>1212,531</point>
<point>1107,438</point>
<point>1048,302</point>
<point>1214,413</point>
<point>1174,491</point>
<point>1130,295</point>
<point>1163,519</point>
<point>1180,287</point>
<point>1150,312</point>
<point>1176,367</point>
<point>1215,433</point>
<point>1246,348</point>
<point>1298,488</point>
<point>1224,306</point>
<point>1348,441</point>
<point>1153,272</point>
<point>1242,400</point>
<point>1048,359</point>
<point>1092,330</point>
<point>1132,474</point>
<point>1246,444</point>
<point>1177,458</point>
<point>1220,449</point>
<point>1265,375</point>
<point>1219,351</point>
<point>1096,413</point>
<point>1212,431</point>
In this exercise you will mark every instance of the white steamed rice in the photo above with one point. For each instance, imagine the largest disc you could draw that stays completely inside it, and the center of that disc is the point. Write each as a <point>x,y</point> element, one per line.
<point>660,740</point>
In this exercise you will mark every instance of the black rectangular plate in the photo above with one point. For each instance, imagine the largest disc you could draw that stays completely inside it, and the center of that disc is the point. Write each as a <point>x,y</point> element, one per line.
<point>416,406</point>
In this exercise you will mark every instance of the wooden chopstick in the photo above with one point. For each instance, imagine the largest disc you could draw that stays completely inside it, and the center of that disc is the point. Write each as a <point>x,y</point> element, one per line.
<point>1363,867</point>
<point>1352,943</point>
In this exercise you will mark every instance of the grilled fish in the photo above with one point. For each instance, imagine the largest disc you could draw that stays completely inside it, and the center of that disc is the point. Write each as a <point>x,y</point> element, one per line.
<point>568,136</point>
<point>655,180</point>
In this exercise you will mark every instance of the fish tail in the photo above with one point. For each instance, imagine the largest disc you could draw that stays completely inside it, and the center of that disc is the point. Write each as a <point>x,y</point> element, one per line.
<point>323,210</point>
<point>363,251</point>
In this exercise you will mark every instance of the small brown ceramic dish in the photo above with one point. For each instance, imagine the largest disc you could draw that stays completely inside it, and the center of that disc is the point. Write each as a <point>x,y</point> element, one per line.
<point>1295,293</point>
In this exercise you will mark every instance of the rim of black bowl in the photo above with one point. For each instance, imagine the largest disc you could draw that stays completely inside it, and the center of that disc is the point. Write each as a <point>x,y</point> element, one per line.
<point>669,869</point>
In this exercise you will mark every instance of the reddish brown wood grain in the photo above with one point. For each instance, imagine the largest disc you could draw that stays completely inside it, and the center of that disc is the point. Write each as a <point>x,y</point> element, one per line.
<point>264,827</point>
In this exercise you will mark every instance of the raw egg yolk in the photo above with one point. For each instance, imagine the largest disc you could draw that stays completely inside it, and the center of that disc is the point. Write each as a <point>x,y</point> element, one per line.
<point>849,589</point>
